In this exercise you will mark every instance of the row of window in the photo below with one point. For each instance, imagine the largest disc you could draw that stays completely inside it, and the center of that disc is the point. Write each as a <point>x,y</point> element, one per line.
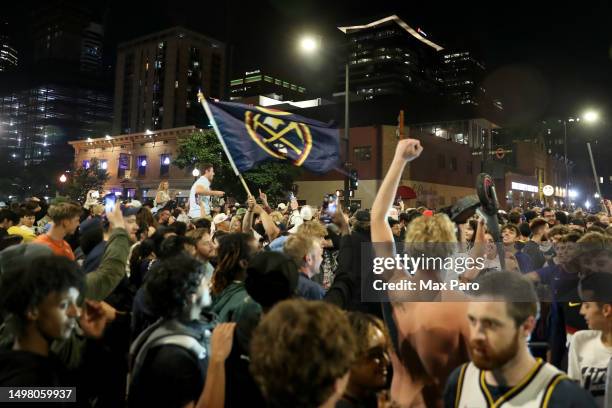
<point>141,165</point>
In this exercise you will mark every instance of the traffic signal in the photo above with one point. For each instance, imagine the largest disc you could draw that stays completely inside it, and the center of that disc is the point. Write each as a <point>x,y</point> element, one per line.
<point>353,180</point>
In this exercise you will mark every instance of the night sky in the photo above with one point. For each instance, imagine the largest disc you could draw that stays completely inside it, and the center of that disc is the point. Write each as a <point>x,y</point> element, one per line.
<point>553,59</point>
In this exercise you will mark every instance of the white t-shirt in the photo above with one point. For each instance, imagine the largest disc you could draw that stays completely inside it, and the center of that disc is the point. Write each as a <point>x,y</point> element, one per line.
<point>194,206</point>
<point>588,363</point>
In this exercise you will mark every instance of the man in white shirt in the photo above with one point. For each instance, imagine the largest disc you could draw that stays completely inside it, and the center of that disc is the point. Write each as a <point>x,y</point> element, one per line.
<point>590,352</point>
<point>200,193</point>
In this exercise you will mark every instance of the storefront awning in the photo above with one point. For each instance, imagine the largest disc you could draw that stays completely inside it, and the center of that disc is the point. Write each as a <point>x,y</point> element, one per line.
<point>405,193</point>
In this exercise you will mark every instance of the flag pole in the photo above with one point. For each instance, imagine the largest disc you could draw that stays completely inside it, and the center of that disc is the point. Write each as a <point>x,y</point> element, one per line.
<point>202,100</point>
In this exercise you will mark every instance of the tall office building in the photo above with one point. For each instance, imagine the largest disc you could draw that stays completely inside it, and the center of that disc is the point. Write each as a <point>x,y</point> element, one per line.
<point>389,57</point>
<point>91,48</point>
<point>462,75</point>
<point>158,77</point>
<point>58,94</point>
<point>8,53</point>
<point>256,83</point>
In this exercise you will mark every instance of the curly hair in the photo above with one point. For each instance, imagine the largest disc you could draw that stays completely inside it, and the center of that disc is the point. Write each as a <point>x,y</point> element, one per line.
<point>299,350</point>
<point>233,248</point>
<point>169,284</point>
<point>22,289</point>
<point>433,236</point>
<point>313,228</point>
<point>361,323</point>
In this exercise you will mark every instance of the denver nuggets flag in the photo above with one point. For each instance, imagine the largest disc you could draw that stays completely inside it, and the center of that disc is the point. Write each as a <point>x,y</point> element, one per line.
<point>253,134</point>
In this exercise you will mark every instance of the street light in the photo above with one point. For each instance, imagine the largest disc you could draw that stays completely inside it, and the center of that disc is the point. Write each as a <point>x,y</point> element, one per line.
<point>195,173</point>
<point>593,117</point>
<point>573,193</point>
<point>309,44</point>
<point>63,178</point>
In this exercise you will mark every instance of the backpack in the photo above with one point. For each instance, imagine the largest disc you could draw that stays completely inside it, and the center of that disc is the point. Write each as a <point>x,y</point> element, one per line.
<point>164,333</point>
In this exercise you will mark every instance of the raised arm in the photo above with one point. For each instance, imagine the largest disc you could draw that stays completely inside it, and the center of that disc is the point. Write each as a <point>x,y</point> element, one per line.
<point>101,282</point>
<point>272,231</point>
<point>406,151</point>
<point>247,222</point>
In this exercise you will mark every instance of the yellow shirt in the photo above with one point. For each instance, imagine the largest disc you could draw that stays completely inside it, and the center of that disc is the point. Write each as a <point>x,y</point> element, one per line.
<point>27,233</point>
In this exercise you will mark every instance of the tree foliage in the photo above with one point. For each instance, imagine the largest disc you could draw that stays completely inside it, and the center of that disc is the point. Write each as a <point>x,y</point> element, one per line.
<point>84,179</point>
<point>273,178</point>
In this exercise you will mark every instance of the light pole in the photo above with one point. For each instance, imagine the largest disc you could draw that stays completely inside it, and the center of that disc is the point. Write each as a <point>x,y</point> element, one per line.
<point>62,181</point>
<point>593,117</point>
<point>309,45</point>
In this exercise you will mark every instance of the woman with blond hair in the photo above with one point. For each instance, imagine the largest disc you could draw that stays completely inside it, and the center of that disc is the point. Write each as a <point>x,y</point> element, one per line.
<point>163,194</point>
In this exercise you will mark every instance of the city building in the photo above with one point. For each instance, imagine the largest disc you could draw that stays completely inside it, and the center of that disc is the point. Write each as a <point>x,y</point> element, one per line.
<point>58,92</point>
<point>158,77</point>
<point>389,57</point>
<point>462,76</point>
<point>91,48</point>
<point>8,54</point>
<point>443,174</point>
<point>37,121</point>
<point>137,162</point>
<point>60,32</point>
<point>255,83</point>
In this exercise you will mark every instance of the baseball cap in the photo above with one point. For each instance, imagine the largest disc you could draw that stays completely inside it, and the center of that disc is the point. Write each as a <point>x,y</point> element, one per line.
<point>90,224</point>
<point>271,278</point>
<point>128,211</point>
<point>282,206</point>
<point>306,213</point>
<point>241,211</point>
<point>219,218</point>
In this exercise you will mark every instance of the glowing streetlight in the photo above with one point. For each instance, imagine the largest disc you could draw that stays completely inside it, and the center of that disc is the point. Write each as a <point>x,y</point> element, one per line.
<point>309,44</point>
<point>195,173</point>
<point>596,195</point>
<point>63,178</point>
<point>573,193</point>
<point>587,204</point>
<point>591,116</point>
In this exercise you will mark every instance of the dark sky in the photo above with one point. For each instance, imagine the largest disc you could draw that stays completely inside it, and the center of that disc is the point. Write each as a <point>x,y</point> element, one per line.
<point>555,59</point>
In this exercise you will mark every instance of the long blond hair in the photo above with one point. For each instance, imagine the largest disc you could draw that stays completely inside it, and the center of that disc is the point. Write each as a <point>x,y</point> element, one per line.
<point>159,188</point>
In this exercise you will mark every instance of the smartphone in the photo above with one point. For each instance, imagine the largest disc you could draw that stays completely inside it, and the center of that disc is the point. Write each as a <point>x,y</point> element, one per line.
<point>95,194</point>
<point>332,205</point>
<point>109,202</point>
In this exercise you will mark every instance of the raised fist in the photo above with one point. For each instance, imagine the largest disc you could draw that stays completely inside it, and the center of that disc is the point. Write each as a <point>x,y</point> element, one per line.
<point>408,149</point>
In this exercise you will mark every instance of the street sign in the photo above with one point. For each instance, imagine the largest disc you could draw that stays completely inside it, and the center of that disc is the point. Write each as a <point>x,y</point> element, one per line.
<point>548,190</point>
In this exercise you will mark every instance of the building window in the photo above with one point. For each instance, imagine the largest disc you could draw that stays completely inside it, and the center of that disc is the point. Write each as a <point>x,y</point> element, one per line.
<point>124,164</point>
<point>85,164</point>
<point>103,164</point>
<point>363,153</point>
<point>441,161</point>
<point>142,165</point>
<point>453,163</point>
<point>164,165</point>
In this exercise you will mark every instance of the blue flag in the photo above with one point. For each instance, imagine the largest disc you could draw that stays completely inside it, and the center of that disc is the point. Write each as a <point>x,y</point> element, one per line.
<point>253,134</point>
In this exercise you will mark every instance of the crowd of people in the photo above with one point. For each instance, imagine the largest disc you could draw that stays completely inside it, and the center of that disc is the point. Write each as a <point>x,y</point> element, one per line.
<point>160,303</point>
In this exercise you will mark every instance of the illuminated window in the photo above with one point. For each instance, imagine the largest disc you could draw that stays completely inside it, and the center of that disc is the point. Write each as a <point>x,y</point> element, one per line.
<point>363,153</point>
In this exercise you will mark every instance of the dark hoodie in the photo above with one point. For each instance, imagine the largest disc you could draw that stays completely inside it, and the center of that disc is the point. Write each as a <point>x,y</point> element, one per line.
<point>225,304</point>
